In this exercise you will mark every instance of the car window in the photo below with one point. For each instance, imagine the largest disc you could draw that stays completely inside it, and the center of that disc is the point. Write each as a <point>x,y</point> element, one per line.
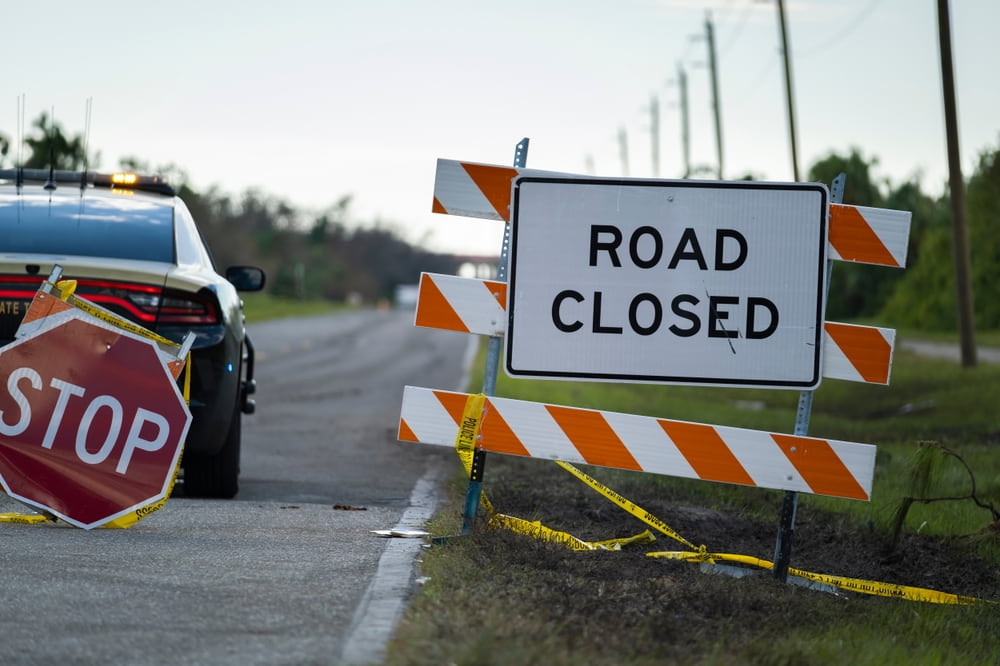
<point>191,248</point>
<point>117,227</point>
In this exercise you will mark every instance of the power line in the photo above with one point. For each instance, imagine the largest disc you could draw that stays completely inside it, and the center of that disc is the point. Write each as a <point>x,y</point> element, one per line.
<point>858,19</point>
<point>738,29</point>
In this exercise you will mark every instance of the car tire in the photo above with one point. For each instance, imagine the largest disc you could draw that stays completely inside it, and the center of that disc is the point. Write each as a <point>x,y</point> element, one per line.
<point>216,475</point>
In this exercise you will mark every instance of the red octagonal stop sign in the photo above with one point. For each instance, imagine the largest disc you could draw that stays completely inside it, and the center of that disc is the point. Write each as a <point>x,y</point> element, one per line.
<point>91,421</point>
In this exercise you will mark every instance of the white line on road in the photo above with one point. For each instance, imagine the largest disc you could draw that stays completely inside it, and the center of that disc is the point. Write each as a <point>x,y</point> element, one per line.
<point>384,601</point>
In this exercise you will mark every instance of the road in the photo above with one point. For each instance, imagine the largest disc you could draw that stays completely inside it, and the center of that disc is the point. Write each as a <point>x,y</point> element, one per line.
<point>948,351</point>
<point>287,573</point>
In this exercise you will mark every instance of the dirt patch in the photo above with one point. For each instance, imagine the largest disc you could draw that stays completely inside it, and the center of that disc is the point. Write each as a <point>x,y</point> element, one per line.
<point>823,542</point>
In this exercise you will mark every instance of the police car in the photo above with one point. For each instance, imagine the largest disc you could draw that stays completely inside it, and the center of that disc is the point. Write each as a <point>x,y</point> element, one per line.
<point>133,247</point>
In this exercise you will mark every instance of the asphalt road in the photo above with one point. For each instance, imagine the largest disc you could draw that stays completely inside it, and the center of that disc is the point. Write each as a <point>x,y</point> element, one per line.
<point>287,573</point>
<point>949,352</point>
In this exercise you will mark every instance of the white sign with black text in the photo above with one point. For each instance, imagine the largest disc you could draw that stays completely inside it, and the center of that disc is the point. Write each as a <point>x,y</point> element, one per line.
<point>701,282</point>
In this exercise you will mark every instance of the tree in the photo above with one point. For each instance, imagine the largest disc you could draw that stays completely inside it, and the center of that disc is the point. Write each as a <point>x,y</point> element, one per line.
<point>859,189</point>
<point>925,297</point>
<point>983,206</point>
<point>52,148</point>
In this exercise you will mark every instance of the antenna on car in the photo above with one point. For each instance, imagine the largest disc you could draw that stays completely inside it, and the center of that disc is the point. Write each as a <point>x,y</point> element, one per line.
<point>50,184</point>
<point>19,179</point>
<point>86,146</point>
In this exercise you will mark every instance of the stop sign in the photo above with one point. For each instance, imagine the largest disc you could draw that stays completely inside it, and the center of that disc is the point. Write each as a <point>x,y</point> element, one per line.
<point>91,422</point>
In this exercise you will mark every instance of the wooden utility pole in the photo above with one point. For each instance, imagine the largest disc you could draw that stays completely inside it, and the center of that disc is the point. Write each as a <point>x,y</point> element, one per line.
<point>956,185</point>
<point>623,150</point>
<point>682,83</point>
<point>654,131</point>
<point>789,95</point>
<point>716,106</point>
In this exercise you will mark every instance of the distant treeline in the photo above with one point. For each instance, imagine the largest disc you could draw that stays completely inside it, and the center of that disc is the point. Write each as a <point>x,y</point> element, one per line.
<point>331,255</point>
<point>307,255</point>
<point>923,295</point>
<point>311,256</point>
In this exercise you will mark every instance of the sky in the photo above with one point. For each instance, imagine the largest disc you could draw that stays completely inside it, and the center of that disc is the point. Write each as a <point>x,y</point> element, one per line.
<point>312,100</point>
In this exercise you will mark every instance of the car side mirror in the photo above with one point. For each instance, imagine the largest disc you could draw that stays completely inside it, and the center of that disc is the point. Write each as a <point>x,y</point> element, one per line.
<point>246,278</point>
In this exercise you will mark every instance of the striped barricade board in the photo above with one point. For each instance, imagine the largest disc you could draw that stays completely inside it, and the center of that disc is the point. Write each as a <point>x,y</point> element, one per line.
<point>470,305</point>
<point>857,233</point>
<point>641,443</point>
<point>723,454</point>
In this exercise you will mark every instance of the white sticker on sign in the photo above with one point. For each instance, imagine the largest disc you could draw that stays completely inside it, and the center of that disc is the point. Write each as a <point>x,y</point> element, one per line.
<point>713,283</point>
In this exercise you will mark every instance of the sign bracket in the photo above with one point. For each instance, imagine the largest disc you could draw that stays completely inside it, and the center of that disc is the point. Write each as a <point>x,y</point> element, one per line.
<point>493,351</point>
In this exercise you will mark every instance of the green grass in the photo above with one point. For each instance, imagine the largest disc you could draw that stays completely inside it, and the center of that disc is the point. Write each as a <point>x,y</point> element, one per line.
<point>500,598</point>
<point>264,306</point>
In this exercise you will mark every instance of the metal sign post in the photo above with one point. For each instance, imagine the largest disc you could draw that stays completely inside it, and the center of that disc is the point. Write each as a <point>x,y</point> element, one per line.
<point>790,503</point>
<point>492,359</point>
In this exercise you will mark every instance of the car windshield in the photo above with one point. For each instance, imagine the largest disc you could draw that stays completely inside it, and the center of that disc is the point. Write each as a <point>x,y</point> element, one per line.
<point>116,227</point>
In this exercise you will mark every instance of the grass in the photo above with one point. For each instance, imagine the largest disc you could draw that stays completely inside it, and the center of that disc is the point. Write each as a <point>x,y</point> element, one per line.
<point>497,597</point>
<point>264,306</point>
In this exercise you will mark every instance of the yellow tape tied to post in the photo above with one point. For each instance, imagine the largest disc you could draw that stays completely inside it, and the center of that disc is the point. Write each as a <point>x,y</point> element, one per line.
<point>465,445</point>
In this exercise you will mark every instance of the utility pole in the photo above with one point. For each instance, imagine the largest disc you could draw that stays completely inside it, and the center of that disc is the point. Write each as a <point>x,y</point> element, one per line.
<point>654,131</point>
<point>623,150</point>
<point>956,186</point>
<point>710,36</point>
<point>682,82</point>
<point>789,94</point>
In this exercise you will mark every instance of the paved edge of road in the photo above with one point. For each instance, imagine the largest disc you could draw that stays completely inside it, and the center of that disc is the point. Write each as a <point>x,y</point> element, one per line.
<point>384,601</point>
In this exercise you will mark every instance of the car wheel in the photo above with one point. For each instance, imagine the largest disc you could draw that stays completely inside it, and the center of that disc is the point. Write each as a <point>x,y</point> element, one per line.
<point>215,475</point>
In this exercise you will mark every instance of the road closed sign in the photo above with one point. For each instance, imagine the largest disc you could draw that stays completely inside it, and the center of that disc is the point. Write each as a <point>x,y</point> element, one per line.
<point>701,282</point>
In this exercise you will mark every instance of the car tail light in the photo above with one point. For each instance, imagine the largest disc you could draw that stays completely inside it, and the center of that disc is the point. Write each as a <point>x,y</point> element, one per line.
<point>18,287</point>
<point>150,305</point>
<point>144,304</point>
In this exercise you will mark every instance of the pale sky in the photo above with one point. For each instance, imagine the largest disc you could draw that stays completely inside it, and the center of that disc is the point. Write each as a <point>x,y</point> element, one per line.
<point>313,100</point>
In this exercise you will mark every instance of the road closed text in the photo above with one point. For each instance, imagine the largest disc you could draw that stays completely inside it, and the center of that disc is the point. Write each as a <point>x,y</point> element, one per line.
<point>667,281</point>
<point>682,314</point>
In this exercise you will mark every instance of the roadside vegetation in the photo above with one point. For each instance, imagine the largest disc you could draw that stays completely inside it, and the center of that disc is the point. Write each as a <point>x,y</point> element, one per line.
<point>265,306</point>
<point>497,597</point>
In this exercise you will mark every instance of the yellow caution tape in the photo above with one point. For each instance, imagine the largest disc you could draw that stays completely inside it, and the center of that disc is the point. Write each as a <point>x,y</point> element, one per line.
<point>465,445</point>
<point>66,290</point>
<point>187,379</point>
<point>841,582</point>
<point>130,519</point>
<point>886,589</point>
<point>536,530</point>
<point>468,435</point>
<point>701,554</point>
<point>638,512</point>
<point>24,518</point>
